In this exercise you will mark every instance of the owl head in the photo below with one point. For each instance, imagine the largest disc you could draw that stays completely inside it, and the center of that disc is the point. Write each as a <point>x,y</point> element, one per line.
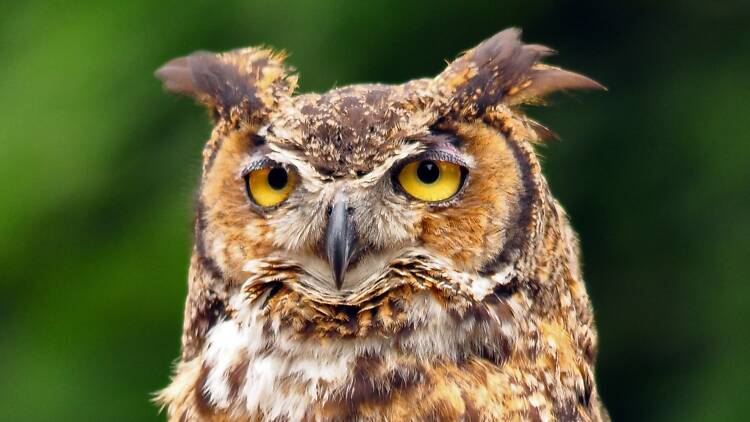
<point>339,198</point>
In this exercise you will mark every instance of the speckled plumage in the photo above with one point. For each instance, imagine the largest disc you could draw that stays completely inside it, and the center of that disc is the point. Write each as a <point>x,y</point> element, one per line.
<point>474,309</point>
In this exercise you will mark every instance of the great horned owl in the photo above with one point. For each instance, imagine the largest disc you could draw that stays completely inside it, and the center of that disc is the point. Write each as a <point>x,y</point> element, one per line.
<point>381,252</point>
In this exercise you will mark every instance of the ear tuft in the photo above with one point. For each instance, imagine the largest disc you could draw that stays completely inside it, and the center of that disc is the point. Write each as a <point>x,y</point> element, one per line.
<point>503,70</point>
<point>543,79</point>
<point>239,84</point>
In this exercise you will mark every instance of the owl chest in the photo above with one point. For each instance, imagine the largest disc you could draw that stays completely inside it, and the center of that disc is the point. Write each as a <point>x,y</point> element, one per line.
<point>254,368</point>
<point>339,383</point>
<point>247,377</point>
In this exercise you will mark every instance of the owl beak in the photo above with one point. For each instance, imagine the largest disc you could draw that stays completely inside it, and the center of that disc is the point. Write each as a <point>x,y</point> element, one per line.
<point>340,241</point>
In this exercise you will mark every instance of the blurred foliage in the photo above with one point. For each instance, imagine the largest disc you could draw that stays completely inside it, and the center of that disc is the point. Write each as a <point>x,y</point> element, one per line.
<point>98,167</point>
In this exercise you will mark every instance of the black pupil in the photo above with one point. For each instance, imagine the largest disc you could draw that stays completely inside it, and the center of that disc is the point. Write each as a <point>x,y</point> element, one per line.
<point>428,171</point>
<point>277,178</point>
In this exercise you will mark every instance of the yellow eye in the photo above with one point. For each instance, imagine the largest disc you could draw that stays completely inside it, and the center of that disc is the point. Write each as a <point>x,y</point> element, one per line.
<point>268,186</point>
<point>431,181</point>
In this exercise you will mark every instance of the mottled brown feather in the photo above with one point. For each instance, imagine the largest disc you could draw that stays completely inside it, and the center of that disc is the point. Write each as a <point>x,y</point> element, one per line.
<point>476,310</point>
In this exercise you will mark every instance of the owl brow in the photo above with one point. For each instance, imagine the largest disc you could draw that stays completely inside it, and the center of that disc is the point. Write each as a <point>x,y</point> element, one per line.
<point>441,146</point>
<point>260,158</point>
<point>439,154</point>
<point>434,137</point>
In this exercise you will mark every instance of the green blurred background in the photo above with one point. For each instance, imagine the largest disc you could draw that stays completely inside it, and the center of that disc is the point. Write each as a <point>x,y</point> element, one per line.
<point>98,169</point>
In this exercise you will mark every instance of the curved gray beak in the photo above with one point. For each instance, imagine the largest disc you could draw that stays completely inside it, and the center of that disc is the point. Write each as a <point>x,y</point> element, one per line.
<point>340,240</point>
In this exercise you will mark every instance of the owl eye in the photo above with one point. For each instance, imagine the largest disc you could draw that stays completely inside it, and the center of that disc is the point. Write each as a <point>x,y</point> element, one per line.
<point>431,180</point>
<point>269,186</point>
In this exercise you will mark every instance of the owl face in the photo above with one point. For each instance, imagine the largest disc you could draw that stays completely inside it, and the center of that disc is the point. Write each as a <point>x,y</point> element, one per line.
<point>446,192</point>
<point>331,193</point>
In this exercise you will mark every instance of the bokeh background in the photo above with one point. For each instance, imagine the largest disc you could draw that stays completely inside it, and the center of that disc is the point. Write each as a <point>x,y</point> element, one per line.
<point>98,168</point>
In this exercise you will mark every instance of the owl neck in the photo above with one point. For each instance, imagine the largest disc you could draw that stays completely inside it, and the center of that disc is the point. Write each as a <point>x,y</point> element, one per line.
<point>274,363</point>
